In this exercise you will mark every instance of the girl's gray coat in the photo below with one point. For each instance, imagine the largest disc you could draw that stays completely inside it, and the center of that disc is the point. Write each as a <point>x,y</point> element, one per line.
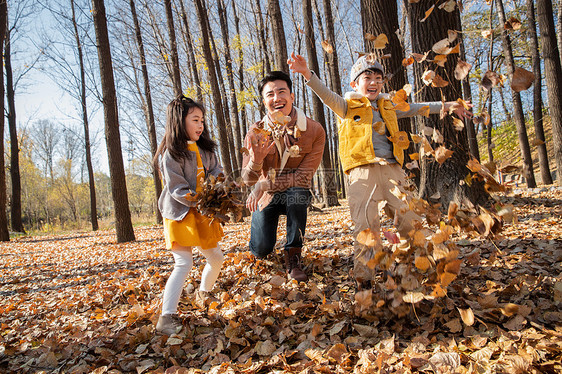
<point>179,178</point>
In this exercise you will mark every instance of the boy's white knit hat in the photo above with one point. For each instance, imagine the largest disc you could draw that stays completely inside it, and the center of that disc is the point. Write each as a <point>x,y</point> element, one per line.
<point>364,63</point>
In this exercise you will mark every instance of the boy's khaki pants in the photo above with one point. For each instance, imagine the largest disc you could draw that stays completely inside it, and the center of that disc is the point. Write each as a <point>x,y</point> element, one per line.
<point>369,185</point>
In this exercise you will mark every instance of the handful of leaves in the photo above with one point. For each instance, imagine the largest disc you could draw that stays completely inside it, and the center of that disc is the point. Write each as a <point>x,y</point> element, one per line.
<point>220,199</point>
<point>279,126</point>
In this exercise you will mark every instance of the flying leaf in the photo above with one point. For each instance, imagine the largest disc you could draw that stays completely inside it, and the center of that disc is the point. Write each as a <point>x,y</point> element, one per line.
<point>379,127</point>
<point>522,79</point>
<point>327,47</point>
<point>416,139</point>
<point>537,142</point>
<point>408,89</point>
<point>428,76</point>
<point>407,61</point>
<point>439,82</point>
<point>437,137</point>
<point>442,154</point>
<point>440,60</point>
<point>442,47</point>
<point>272,174</point>
<point>400,99</point>
<point>489,80</point>
<point>423,111</point>
<point>294,151</point>
<point>512,24</point>
<point>279,118</point>
<point>412,165</point>
<point>400,140</point>
<point>487,33</point>
<point>482,118</point>
<point>419,57</point>
<point>381,41</point>
<point>367,238</point>
<point>391,237</point>
<point>462,69</point>
<point>427,13</point>
<point>448,6</point>
<point>458,124</point>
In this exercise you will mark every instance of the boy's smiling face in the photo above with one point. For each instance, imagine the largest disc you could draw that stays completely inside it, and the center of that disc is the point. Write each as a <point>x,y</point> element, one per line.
<point>369,84</point>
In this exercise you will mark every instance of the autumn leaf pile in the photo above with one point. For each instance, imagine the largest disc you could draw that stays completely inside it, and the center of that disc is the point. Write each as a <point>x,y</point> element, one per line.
<point>220,198</point>
<point>81,303</point>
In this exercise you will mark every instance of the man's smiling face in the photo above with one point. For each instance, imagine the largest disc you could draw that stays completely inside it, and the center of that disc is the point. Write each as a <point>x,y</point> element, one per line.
<point>277,96</point>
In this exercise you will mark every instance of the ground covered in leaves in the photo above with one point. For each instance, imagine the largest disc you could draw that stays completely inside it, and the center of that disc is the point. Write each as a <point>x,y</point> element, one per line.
<point>81,303</point>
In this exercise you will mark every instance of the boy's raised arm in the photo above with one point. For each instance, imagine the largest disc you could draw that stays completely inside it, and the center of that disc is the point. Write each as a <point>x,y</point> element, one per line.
<point>332,100</point>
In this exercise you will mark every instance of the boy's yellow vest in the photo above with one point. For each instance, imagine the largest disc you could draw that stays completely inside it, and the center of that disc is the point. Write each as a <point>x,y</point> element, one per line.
<point>356,129</point>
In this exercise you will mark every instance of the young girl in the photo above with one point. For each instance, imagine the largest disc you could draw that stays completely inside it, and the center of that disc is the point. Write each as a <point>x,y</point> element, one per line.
<point>186,155</point>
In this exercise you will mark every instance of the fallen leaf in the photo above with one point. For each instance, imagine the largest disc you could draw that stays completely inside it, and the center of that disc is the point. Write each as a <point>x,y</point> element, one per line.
<point>467,316</point>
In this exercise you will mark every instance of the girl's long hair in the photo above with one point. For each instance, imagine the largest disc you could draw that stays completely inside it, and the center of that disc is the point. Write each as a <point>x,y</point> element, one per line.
<point>175,137</point>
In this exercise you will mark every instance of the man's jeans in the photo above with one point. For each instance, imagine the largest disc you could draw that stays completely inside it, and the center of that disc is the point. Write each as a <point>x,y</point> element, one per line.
<point>293,203</point>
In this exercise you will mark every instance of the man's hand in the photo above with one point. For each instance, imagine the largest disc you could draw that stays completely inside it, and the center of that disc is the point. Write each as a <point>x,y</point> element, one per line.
<point>252,203</point>
<point>298,64</point>
<point>259,146</point>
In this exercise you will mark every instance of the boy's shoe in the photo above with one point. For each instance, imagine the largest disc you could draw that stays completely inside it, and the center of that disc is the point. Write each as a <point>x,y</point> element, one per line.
<point>203,299</point>
<point>169,324</point>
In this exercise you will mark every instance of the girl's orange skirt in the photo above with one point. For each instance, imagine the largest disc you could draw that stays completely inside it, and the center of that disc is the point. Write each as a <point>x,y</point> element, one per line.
<point>194,230</point>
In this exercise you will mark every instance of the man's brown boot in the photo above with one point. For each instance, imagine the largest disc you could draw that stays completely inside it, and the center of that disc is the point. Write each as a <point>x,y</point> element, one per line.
<point>293,264</point>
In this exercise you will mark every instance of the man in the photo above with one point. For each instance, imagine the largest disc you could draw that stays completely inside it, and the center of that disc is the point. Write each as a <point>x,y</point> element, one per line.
<point>280,165</point>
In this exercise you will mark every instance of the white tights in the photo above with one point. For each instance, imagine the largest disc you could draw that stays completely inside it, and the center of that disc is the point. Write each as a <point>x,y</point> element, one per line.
<point>183,258</point>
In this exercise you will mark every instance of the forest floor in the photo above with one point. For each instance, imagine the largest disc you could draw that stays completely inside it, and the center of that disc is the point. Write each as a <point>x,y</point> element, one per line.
<point>81,303</point>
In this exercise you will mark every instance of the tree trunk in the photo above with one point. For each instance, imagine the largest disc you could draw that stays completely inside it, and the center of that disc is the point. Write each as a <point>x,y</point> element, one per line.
<point>176,77</point>
<point>123,225</point>
<point>518,115</point>
<point>559,28</point>
<point>4,232</point>
<point>261,38</point>
<point>546,178</point>
<point>224,100</point>
<point>335,85</point>
<point>190,53</point>
<point>148,110</point>
<point>232,89</point>
<point>17,224</point>
<point>243,114</point>
<point>329,191</point>
<point>381,17</point>
<point>91,182</point>
<point>212,74</point>
<point>278,32</point>
<point>435,179</point>
<point>553,74</point>
<point>489,128</point>
<point>467,96</point>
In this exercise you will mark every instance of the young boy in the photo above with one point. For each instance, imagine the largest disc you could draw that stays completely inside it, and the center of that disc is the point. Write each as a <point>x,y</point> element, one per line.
<point>365,121</point>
